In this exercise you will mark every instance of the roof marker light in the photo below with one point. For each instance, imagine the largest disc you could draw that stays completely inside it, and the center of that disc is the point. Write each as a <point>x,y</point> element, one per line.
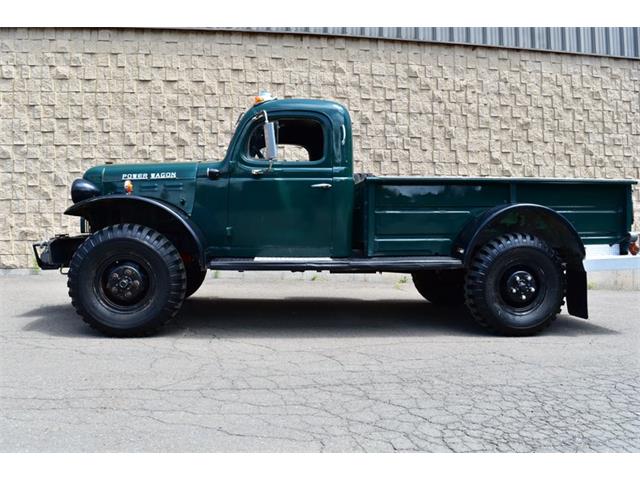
<point>263,96</point>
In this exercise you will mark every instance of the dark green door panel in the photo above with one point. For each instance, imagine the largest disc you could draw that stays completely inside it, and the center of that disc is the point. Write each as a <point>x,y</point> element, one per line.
<point>285,209</point>
<point>281,213</point>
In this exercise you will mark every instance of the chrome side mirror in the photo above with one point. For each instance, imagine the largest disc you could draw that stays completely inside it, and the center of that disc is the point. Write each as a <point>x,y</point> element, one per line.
<point>270,140</point>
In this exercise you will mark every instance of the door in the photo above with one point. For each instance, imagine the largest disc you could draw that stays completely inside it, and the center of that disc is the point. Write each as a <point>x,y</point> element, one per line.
<point>284,208</point>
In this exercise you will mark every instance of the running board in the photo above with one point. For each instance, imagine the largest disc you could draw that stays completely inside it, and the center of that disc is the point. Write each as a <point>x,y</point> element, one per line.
<point>337,265</point>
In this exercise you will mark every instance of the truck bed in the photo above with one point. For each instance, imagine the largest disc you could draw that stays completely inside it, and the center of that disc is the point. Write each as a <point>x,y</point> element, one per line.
<point>423,216</point>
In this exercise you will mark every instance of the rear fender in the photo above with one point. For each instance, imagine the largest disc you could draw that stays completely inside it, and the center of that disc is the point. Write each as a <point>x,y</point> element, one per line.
<point>542,222</point>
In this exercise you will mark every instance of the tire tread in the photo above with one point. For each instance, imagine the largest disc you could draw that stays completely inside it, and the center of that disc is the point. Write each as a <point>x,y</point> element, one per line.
<point>170,255</point>
<point>477,272</point>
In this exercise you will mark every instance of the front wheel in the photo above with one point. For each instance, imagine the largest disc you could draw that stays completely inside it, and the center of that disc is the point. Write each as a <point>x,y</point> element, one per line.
<point>515,285</point>
<point>127,280</point>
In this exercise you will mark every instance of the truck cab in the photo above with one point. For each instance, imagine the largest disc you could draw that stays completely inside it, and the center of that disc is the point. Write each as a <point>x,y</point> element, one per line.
<point>305,191</point>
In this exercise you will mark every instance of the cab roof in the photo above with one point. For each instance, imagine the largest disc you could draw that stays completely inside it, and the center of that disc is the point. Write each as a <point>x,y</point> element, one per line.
<point>325,106</point>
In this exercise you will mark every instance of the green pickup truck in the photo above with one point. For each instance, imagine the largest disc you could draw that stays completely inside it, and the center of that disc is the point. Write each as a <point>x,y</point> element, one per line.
<point>285,197</point>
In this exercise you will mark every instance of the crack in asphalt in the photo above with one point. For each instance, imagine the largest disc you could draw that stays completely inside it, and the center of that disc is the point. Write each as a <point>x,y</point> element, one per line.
<point>314,385</point>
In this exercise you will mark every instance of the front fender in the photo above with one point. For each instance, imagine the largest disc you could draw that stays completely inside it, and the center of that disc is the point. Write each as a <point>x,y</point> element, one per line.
<point>120,208</point>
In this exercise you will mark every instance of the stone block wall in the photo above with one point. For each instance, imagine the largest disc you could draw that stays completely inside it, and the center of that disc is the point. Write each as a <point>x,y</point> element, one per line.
<point>73,98</point>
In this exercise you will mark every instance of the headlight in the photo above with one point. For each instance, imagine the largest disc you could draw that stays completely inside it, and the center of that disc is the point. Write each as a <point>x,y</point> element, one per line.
<point>82,189</point>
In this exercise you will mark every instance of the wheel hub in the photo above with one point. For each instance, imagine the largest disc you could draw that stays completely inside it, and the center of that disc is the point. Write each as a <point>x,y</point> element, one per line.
<point>125,283</point>
<point>520,288</point>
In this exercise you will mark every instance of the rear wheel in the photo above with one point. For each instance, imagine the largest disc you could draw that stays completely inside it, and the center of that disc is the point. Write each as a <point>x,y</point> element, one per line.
<point>127,280</point>
<point>440,287</point>
<point>515,285</point>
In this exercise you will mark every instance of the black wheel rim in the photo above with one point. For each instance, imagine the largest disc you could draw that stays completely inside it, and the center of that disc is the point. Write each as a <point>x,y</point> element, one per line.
<point>123,284</point>
<point>522,288</point>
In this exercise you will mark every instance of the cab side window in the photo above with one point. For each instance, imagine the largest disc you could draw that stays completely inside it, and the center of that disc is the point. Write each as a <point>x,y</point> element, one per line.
<point>299,140</point>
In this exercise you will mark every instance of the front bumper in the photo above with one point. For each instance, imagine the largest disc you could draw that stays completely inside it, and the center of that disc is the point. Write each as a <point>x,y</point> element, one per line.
<point>57,252</point>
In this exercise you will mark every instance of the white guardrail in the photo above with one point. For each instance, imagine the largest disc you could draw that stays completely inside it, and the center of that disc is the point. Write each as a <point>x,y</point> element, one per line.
<point>601,258</point>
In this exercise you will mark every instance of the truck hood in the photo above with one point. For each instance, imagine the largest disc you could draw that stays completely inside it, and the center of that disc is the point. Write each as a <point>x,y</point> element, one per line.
<point>174,183</point>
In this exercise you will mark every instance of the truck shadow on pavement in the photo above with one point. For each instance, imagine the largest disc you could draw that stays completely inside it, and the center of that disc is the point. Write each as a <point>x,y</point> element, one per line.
<point>306,317</point>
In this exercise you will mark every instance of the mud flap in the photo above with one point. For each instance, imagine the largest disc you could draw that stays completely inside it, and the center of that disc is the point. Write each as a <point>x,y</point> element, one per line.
<point>577,293</point>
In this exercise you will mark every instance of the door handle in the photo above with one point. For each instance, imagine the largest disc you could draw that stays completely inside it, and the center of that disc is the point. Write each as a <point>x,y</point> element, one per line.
<point>321,185</point>
<point>213,173</point>
<point>256,172</point>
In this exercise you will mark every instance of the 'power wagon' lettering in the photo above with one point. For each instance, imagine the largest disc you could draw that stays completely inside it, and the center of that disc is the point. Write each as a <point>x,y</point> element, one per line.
<point>147,176</point>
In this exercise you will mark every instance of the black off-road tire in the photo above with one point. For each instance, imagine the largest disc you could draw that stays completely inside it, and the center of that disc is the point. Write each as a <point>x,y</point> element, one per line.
<point>103,275</point>
<point>440,287</point>
<point>499,283</point>
<point>195,277</point>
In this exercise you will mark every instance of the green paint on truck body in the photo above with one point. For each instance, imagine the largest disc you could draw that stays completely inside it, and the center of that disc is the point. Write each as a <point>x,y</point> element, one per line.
<point>281,212</point>
<point>408,215</point>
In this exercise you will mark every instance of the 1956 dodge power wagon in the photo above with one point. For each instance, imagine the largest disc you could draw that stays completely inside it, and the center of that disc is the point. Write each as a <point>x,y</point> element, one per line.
<point>285,197</point>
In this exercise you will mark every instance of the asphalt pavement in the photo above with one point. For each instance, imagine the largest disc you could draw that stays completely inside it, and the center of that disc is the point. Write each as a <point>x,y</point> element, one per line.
<point>266,364</point>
